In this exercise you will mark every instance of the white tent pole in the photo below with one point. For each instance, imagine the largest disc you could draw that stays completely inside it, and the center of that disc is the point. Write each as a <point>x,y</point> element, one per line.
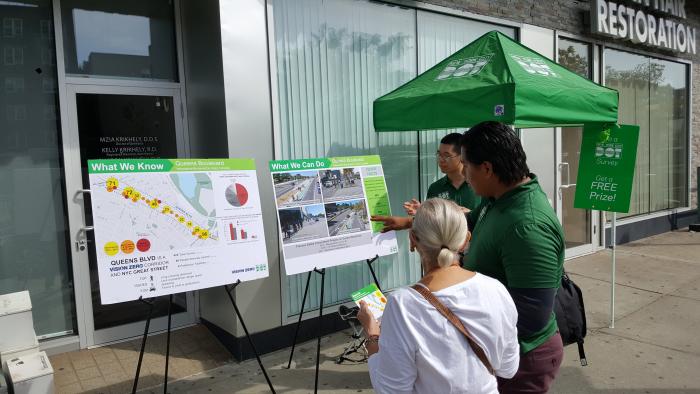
<point>612,274</point>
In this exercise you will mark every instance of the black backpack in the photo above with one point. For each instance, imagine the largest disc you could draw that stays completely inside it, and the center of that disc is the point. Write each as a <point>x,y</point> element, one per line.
<point>571,315</point>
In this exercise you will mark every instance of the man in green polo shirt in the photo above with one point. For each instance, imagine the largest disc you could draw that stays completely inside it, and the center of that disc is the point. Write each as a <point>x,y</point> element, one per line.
<point>518,240</point>
<point>452,186</point>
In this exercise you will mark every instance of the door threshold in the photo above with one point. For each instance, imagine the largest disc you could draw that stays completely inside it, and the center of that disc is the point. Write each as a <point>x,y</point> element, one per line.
<point>140,336</point>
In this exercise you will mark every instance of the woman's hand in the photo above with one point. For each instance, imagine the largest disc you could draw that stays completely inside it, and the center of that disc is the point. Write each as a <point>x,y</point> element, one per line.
<point>366,318</point>
<point>411,206</point>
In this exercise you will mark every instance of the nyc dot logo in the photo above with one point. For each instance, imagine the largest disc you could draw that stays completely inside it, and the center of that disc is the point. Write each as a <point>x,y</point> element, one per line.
<point>534,66</point>
<point>608,150</point>
<point>468,67</point>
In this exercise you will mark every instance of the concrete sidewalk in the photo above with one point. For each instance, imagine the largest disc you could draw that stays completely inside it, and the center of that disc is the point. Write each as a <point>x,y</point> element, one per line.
<point>654,347</point>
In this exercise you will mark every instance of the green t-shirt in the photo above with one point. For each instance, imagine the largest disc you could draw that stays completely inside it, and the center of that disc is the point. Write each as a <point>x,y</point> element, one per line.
<point>464,196</point>
<point>518,240</point>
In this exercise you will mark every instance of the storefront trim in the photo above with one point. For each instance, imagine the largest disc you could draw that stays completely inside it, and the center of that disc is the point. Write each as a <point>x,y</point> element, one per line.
<point>419,5</point>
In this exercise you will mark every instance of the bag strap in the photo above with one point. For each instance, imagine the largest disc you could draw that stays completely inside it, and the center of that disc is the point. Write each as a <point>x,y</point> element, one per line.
<point>452,318</point>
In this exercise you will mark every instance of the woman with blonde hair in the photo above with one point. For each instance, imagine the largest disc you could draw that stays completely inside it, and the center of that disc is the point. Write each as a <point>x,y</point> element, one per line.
<point>452,332</point>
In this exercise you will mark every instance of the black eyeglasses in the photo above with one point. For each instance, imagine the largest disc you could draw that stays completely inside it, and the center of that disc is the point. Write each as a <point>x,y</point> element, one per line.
<point>443,157</point>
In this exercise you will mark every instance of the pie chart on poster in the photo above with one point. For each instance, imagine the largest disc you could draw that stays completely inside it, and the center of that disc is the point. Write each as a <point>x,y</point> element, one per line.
<point>237,195</point>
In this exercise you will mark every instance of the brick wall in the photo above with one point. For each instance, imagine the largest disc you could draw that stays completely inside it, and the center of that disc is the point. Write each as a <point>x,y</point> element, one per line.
<point>571,16</point>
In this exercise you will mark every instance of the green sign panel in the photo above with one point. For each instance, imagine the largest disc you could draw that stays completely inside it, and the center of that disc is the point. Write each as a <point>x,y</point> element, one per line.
<point>606,167</point>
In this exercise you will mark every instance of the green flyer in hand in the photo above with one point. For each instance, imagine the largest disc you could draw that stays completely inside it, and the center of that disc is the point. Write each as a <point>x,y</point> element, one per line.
<point>373,297</point>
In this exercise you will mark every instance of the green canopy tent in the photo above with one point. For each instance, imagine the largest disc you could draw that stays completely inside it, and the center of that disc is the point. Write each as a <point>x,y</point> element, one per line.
<point>495,78</point>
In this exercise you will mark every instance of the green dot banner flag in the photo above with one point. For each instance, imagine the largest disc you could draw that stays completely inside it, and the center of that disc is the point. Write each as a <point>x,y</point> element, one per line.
<point>606,167</point>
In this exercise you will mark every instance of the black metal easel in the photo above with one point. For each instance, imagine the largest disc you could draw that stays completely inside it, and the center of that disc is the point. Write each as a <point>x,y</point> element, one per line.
<point>151,301</point>
<point>371,270</point>
<point>245,329</point>
<point>322,272</point>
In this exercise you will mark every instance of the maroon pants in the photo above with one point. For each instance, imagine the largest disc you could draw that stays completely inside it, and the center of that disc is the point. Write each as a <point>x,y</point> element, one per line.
<point>537,369</point>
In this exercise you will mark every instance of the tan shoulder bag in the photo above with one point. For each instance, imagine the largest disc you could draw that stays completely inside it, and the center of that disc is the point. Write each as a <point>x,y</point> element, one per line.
<point>445,311</point>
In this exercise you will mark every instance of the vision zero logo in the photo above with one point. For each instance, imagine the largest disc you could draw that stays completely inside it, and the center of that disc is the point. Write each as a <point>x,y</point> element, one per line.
<point>534,66</point>
<point>464,67</point>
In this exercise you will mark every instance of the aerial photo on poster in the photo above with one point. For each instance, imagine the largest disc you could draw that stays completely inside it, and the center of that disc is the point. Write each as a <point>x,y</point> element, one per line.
<point>341,184</point>
<point>296,188</point>
<point>346,217</point>
<point>323,208</point>
<point>169,226</point>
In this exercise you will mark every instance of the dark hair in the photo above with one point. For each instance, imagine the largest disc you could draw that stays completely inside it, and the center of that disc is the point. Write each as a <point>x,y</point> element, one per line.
<point>452,139</point>
<point>496,143</point>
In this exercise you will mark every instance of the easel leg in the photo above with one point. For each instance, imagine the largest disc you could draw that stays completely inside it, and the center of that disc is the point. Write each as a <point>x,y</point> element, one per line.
<point>296,331</point>
<point>320,328</point>
<point>371,270</point>
<point>250,341</point>
<point>143,343</point>
<point>167,343</point>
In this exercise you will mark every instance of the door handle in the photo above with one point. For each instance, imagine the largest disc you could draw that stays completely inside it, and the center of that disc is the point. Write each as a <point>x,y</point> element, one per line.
<point>568,172</point>
<point>82,241</point>
<point>81,191</point>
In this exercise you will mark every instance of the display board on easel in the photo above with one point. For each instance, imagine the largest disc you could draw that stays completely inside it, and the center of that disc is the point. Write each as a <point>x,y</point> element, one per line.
<point>323,208</point>
<point>170,226</point>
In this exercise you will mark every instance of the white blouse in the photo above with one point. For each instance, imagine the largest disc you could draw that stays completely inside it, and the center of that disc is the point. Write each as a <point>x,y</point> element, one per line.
<point>420,351</point>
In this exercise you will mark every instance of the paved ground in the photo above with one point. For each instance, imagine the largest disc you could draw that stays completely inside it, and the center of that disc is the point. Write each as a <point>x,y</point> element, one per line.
<point>654,347</point>
<point>111,369</point>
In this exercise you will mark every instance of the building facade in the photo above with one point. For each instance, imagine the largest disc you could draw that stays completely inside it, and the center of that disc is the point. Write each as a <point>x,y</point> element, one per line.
<point>281,79</point>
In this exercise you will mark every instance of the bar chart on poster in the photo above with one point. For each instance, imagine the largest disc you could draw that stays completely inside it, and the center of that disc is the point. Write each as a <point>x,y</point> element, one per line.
<point>170,226</point>
<point>324,207</point>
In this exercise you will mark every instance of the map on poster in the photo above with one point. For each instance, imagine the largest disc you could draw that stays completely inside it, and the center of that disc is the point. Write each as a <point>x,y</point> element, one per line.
<point>323,208</point>
<point>169,226</point>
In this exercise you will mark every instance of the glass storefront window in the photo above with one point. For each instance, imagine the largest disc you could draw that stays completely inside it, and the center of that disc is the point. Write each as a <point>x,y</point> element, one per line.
<point>654,95</point>
<point>575,56</point>
<point>34,253</point>
<point>333,58</point>
<point>120,39</point>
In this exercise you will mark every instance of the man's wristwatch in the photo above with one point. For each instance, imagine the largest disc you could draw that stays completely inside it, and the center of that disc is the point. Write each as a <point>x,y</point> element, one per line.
<point>372,339</point>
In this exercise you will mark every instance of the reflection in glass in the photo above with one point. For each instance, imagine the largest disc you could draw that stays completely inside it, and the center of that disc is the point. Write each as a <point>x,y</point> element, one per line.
<point>575,56</point>
<point>333,59</point>
<point>128,38</point>
<point>576,222</point>
<point>654,95</point>
<point>34,241</point>
<point>123,127</point>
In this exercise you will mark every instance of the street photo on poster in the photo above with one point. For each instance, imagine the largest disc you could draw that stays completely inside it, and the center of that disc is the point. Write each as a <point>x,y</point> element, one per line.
<point>303,223</point>
<point>323,209</point>
<point>170,226</point>
<point>346,217</point>
<point>297,188</point>
<point>341,184</point>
